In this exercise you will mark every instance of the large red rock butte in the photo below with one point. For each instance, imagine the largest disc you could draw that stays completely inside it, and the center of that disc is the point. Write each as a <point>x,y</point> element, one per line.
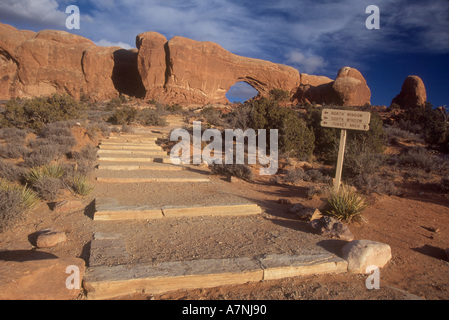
<point>178,70</point>
<point>413,94</point>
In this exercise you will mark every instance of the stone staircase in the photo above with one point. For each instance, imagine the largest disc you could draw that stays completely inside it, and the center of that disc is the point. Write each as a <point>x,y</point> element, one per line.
<point>137,182</point>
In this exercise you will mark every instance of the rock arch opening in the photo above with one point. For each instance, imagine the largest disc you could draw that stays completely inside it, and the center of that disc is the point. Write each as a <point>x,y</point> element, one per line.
<point>240,92</point>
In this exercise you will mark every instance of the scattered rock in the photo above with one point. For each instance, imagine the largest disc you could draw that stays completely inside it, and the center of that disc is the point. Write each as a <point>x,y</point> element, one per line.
<point>233,179</point>
<point>50,238</point>
<point>285,201</point>
<point>332,228</point>
<point>40,279</point>
<point>363,253</point>
<point>68,206</point>
<point>297,207</point>
<point>310,214</point>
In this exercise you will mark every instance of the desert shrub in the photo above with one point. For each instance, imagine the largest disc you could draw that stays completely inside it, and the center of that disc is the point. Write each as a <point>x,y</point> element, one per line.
<point>124,115</point>
<point>327,139</point>
<point>428,122</point>
<point>15,200</point>
<point>99,126</point>
<point>48,188</point>
<point>174,109</point>
<point>346,204</point>
<point>444,184</point>
<point>295,176</point>
<point>41,156</point>
<point>368,183</point>
<point>151,117</point>
<point>360,159</point>
<point>241,171</point>
<point>81,185</point>
<point>394,133</point>
<point>317,176</point>
<point>113,104</point>
<point>13,151</point>
<point>419,157</point>
<point>279,94</point>
<point>212,116</point>
<point>313,191</point>
<point>88,152</point>
<point>10,171</point>
<point>13,135</point>
<point>241,117</point>
<point>37,112</point>
<point>294,136</point>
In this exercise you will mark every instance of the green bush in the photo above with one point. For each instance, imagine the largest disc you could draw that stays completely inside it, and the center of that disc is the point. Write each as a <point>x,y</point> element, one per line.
<point>327,139</point>
<point>295,138</point>
<point>241,171</point>
<point>279,95</point>
<point>125,115</point>
<point>151,117</point>
<point>427,122</point>
<point>37,112</point>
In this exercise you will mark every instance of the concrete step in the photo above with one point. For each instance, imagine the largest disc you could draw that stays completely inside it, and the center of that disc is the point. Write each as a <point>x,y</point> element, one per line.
<point>131,166</point>
<point>146,176</point>
<point>104,282</point>
<point>108,209</point>
<point>148,159</point>
<point>133,151</point>
<point>121,146</point>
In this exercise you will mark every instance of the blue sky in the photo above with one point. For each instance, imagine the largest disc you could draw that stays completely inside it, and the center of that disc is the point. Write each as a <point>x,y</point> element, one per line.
<point>314,36</point>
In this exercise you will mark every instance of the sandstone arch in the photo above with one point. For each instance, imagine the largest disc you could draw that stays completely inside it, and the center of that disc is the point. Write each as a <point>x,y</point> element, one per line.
<point>197,72</point>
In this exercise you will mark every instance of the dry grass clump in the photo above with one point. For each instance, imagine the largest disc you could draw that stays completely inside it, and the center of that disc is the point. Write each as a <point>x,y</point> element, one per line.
<point>15,200</point>
<point>345,204</point>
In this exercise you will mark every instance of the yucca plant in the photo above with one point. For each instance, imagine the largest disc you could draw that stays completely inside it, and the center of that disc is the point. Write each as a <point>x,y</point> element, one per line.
<point>81,185</point>
<point>346,204</point>
<point>54,171</point>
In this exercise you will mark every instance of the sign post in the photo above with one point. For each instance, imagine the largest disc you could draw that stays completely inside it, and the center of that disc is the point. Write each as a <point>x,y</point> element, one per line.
<point>345,120</point>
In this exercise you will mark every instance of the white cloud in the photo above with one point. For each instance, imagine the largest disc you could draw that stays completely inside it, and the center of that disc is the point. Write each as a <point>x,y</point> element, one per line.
<point>307,63</point>
<point>34,12</point>
<point>106,43</point>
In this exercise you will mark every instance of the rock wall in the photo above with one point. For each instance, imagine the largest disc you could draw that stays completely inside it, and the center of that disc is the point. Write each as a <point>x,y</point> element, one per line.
<point>50,61</point>
<point>180,71</point>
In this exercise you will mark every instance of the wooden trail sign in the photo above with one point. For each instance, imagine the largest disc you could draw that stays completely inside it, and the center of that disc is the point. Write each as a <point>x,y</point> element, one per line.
<point>344,119</point>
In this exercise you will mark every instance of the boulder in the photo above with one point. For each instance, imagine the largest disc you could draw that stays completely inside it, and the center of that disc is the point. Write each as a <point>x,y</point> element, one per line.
<point>49,238</point>
<point>332,228</point>
<point>363,253</point>
<point>348,89</point>
<point>413,94</point>
<point>40,279</point>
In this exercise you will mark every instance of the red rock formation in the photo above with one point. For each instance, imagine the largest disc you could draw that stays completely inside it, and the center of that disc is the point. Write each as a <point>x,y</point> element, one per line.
<point>47,62</point>
<point>348,89</point>
<point>177,71</point>
<point>202,72</point>
<point>413,94</point>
